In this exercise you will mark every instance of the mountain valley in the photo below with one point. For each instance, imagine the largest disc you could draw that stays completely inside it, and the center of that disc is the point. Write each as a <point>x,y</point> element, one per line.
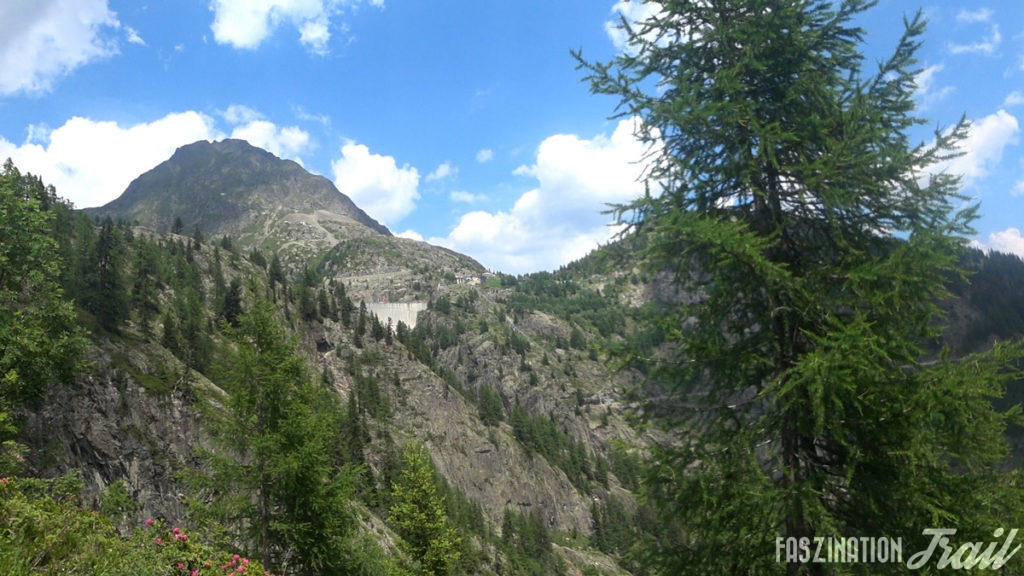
<point>512,385</point>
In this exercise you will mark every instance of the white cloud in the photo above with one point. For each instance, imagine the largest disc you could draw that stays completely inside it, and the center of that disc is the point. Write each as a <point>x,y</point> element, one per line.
<point>411,235</point>
<point>484,155</point>
<point>376,183</point>
<point>245,24</point>
<point>1008,241</point>
<point>973,16</point>
<point>986,46</point>
<point>41,40</point>
<point>92,162</point>
<point>250,125</point>
<point>322,119</point>
<point>926,93</point>
<point>1015,98</point>
<point>241,114</point>
<point>634,12</point>
<point>443,170</point>
<point>465,197</point>
<point>1018,188</point>
<point>561,219</point>
<point>286,142</point>
<point>133,36</point>
<point>314,34</point>
<point>983,147</point>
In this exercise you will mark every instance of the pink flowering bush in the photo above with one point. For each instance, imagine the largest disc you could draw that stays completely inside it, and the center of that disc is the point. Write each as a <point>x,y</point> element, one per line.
<point>43,530</point>
<point>183,556</point>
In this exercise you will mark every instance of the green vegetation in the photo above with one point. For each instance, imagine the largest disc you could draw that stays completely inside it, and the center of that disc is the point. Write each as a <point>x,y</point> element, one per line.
<point>104,293</point>
<point>418,513</point>
<point>527,542</point>
<point>39,341</point>
<point>540,434</point>
<point>283,497</point>
<point>823,245</point>
<point>566,298</point>
<point>993,287</point>
<point>492,411</point>
<point>779,304</point>
<point>45,531</point>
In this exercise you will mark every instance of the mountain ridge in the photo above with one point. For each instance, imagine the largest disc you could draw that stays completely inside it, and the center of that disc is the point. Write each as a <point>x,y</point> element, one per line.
<point>230,187</point>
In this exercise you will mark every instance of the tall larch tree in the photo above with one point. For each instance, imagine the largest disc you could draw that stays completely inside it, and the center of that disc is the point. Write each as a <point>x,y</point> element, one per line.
<point>279,491</point>
<point>106,296</point>
<point>816,242</point>
<point>418,514</point>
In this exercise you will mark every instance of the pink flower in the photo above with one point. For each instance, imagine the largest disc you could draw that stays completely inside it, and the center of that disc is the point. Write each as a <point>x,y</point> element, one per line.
<point>181,566</point>
<point>195,573</point>
<point>3,480</point>
<point>149,521</point>
<point>176,530</point>
<point>159,542</point>
<point>236,557</point>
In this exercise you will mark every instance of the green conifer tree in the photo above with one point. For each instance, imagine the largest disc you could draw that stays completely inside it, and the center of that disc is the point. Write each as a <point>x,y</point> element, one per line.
<point>105,295</point>
<point>275,274</point>
<point>144,284</point>
<point>232,305</point>
<point>282,493</point>
<point>39,339</point>
<point>418,514</point>
<point>818,242</point>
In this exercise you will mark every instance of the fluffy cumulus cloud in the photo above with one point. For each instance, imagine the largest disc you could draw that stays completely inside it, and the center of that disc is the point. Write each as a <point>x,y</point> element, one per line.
<point>251,126</point>
<point>315,34</point>
<point>287,142</point>
<point>41,40</point>
<point>376,183</point>
<point>560,219</point>
<point>443,170</point>
<point>247,23</point>
<point>633,12</point>
<point>484,155</point>
<point>983,148</point>
<point>411,235</point>
<point>92,162</point>
<point>1008,241</point>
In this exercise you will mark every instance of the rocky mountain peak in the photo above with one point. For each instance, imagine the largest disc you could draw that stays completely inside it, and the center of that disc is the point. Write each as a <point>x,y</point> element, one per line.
<point>232,187</point>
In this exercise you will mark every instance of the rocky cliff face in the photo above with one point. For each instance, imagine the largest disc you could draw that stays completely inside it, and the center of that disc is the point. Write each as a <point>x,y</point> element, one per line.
<point>127,417</point>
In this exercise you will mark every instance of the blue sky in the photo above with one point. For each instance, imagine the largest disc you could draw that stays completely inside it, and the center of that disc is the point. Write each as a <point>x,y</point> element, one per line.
<point>462,123</point>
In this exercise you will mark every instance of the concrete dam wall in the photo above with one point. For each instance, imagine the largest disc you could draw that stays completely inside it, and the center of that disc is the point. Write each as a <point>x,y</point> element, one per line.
<point>397,311</point>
